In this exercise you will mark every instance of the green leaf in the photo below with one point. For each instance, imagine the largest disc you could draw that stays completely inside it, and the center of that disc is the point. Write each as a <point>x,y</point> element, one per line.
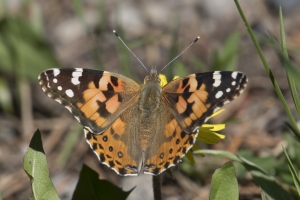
<point>190,157</point>
<point>267,183</point>
<point>293,171</point>
<point>35,165</point>
<point>90,187</point>
<point>224,184</point>
<point>0,196</point>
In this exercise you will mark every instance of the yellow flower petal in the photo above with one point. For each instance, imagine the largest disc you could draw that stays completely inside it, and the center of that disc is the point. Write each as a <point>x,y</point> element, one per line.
<point>214,127</point>
<point>163,80</point>
<point>175,77</point>
<point>209,137</point>
<point>216,113</point>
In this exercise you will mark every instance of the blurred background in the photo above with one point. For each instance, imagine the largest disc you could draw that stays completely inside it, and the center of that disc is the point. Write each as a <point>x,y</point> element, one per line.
<point>36,35</point>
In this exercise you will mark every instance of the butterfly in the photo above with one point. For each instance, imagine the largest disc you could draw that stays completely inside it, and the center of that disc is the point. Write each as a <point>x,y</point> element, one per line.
<point>134,127</point>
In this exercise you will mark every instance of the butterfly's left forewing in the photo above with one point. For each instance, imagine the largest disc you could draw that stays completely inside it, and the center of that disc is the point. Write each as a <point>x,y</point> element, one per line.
<point>96,98</point>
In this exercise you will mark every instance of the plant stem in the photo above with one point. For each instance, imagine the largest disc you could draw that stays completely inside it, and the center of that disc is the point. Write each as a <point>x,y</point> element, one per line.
<point>156,183</point>
<point>273,80</point>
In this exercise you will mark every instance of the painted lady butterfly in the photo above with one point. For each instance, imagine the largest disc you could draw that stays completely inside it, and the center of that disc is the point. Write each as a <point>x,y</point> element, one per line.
<point>133,127</point>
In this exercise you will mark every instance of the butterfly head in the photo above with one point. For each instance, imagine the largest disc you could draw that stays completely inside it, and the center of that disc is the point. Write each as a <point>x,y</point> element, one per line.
<point>152,77</point>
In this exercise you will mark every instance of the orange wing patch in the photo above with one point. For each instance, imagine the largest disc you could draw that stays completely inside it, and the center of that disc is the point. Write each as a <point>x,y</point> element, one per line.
<point>188,101</point>
<point>170,152</point>
<point>111,150</point>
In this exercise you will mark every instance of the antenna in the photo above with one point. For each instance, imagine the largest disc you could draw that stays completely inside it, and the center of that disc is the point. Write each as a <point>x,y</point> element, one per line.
<point>115,32</point>
<point>197,38</point>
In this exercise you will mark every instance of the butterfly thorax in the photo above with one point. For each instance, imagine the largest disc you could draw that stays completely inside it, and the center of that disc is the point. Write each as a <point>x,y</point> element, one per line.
<point>150,96</point>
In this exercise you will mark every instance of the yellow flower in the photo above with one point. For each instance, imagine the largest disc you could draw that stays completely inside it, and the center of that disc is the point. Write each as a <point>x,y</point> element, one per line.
<point>207,132</point>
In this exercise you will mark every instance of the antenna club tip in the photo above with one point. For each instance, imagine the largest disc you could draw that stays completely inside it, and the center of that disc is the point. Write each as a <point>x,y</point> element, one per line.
<point>197,38</point>
<point>115,32</point>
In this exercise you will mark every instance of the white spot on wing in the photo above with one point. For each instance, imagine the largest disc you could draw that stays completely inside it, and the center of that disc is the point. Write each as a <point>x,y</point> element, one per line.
<point>79,69</point>
<point>226,102</point>
<point>233,83</point>
<point>75,81</point>
<point>217,77</point>
<point>55,80</point>
<point>56,72</point>
<point>234,74</point>
<point>77,74</point>
<point>228,90</point>
<point>58,100</point>
<point>59,88</point>
<point>69,108</point>
<point>69,93</point>
<point>77,118</point>
<point>219,94</point>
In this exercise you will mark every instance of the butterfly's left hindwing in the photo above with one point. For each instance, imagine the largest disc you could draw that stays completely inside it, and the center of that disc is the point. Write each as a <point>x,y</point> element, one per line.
<point>96,98</point>
<point>192,99</point>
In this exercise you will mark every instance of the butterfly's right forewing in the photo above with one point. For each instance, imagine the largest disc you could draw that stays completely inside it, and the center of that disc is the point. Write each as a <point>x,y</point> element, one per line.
<point>194,98</point>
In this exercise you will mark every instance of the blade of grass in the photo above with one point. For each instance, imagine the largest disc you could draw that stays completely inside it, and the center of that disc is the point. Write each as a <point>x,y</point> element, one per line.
<point>286,59</point>
<point>268,70</point>
<point>293,171</point>
<point>293,131</point>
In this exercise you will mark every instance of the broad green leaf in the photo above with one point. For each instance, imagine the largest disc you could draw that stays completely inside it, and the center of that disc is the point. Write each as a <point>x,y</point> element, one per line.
<point>90,187</point>
<point>35,165</point>
<point>267,183</point>
<point>293,171</point>
<point>224,184</point>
